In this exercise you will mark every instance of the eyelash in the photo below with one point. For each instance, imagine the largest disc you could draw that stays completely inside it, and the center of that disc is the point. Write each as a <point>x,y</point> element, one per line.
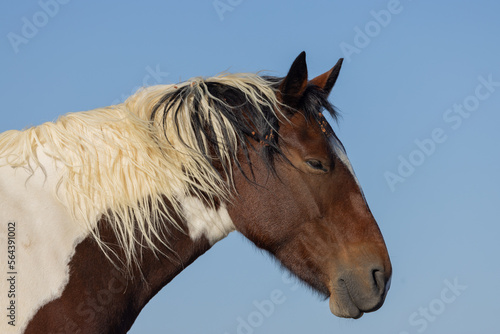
<point>316,164</point>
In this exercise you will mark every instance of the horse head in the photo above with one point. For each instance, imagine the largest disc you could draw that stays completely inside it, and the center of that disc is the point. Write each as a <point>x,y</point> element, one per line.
<point>309,211</point>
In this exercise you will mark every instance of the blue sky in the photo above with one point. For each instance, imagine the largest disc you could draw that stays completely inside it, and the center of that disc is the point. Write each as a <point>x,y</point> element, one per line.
<point>420,97</point>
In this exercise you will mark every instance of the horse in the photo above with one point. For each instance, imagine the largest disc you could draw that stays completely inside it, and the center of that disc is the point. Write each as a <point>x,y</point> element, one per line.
<point>101,209</point>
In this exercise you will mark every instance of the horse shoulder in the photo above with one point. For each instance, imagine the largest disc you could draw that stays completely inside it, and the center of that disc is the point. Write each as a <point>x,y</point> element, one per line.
<point>43,234</point>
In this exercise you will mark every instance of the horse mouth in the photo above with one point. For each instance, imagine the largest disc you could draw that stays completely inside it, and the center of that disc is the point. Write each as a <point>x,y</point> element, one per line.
<point>347,301</point>
<point>342,305</point>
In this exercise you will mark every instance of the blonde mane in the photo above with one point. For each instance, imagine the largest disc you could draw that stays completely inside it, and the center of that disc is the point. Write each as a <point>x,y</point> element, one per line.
<point>129,163</point>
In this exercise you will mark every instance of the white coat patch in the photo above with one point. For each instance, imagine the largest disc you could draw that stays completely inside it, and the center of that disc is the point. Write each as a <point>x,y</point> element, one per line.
<point>342,155</point>
<point>202,221</point>
<point>45,240</point>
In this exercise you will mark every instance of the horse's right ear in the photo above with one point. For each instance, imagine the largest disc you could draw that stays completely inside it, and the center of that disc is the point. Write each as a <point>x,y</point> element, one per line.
<point>327,80</point>
<point>295,82</point>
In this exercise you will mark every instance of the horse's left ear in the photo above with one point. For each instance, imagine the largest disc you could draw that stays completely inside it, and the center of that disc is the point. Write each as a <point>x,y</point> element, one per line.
<point>327,80</point>
<point>293,86</point>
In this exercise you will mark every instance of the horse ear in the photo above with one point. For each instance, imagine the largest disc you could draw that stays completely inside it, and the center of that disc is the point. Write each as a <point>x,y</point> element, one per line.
<point>295,82</point>
<point>327,80</point>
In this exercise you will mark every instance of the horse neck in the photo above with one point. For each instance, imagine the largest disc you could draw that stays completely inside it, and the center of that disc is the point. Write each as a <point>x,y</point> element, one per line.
<point>101,298</point>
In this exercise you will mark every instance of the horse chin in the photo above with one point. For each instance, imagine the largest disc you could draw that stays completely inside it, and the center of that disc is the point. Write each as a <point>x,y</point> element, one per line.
<point>344,308</point>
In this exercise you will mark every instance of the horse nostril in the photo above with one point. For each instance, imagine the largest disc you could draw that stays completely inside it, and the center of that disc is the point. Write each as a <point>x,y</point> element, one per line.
<point>379,281</point>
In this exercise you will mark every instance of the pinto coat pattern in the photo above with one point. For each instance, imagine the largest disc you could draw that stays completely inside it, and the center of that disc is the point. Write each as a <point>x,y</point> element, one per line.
<point>111,204</point>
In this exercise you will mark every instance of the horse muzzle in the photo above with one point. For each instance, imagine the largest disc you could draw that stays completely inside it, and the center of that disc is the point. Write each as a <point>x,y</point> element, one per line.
<point>358,291</point>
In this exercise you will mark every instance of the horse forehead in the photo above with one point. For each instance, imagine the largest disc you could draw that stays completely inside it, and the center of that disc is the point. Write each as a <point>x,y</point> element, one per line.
<point>340,152</point>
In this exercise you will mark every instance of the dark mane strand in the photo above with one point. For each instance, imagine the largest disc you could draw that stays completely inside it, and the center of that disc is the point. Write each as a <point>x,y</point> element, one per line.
<point>227,102</point>
<point>250,122</point>
<point>314,102</point>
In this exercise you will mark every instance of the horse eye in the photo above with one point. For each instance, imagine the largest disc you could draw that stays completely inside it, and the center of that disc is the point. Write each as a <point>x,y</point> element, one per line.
<point>316,164</point>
